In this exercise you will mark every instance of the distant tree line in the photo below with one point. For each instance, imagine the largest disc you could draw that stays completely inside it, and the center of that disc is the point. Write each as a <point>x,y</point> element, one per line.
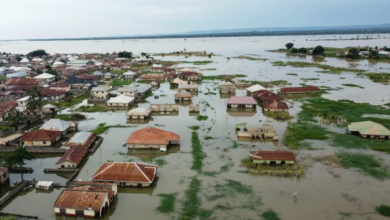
<point>37,53</point>
<point>125,54</point>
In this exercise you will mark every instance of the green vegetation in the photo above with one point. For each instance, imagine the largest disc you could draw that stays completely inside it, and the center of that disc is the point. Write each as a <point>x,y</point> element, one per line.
<point>223,77</point>
<point>352,85</point>
<point>161,162</point>
<point>195,127</point>
<point>197,153</point>
<point>8,217</point>
<point>95,108</point>
<point>270,215</point>
<point>292,74</point>
<point>318,50</point>
<point>368,164</point>
<point>250,58</point>
<point>208,138</point>
<point>18,157</point>
<point>191,202</point>
<point>331,69</point>
<point>73,101</point>
<point>278,115</point>
<point>383,210</point>
<point>232,187</point>
<point>298,132</point>
<point>37,53</point>
<point>204,62</point>
<point>383,78</point>
<point>353,53</point>
<point>307,79</point>
<point>289,46</point>
<point>120,82</point>
<point>278,170</point>
<point>167,203</point>
<point>357,142</point>
<point>71,117</point>
<point>5,128</point>
<point>102,127</point>
<point>202,117</point>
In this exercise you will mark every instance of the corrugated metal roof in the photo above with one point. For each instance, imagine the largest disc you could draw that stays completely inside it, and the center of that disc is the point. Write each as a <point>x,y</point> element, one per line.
<point>82,138</point>
<point>272,155</point>
<point>143,88</point>
<point>152,135</point>
<point>102,88</point>
<point>139,112</point>
<point>183,94</point>
<point>255,88</point>
<point>274,104</point>
<point>368,128</point>
<point>126,172</point>
<point>40,135</point>
<point>73,155</point>
<point>300,89</point>
<point>121,99</point>
<point>127,88</point>
<point>55,125</point>
<point>81,200</point>
<point>242,100</point>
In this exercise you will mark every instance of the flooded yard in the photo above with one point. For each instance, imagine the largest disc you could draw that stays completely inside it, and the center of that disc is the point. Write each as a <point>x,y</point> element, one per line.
<point>227,190</point>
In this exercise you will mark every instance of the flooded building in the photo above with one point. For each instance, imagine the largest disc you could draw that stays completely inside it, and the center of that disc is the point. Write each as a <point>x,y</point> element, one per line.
<point>368,129</point>
<point>265,95</point>
<point>190,75</point>
<point>150,77</point>
<point>40,138</point>
<point>129,75</point>
<point>164,107</point>
<point>274,106</point>
<point>105,185</point>
<point>241,102</point>
<point>272,157</point>
<point>81,139</point>
<point>183,96</point>
<point>227,88</point>
<point>188,88</point>
<point>138,113</point>
<point>4,174</point>
<point>126,174</point>
<point>49,108</point>
<point>255,88</point>
<point>60,125</point>
<point>53,94</point>
<point>100,92</point>
<point>72,157</point>
<point>84,201</point>
<point>120,101</point>
<point>144,89</point>
<point>152,138</point>
<point>178,81</point>
<point>44,185</point>
<point>128,90</point>
<point>304,89</point>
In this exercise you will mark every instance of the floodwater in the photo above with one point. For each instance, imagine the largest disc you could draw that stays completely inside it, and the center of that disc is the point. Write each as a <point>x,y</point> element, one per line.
<point>321,195</point>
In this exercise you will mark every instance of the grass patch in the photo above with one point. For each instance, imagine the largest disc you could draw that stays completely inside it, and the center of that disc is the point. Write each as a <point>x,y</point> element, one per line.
<point>383,78</point>
<point>161,162</point>
<point>270,215</point>
<point>352,85</point>
<point>5,128</point>
<point>210,173</point>
<point>292,74</point>
<point>310,79</point>
<point>202,117</point>
<point>208,138</point>
<point>225,168</point>
<point>191,200</point>
<point>250,58</point>
<point>195,127</point>
<point>203,62</point>
<point>368,164</point>
<point>91,109</point>
<point>120,82</point>
<point>278,115</point>
<point>197,153</point>
<point>73,101</point>
<point>330,69</point>
<point>102,127</point>
<point>232,187</point>
<point>167,203</point>
<point>279,170</point>
<point>356,142</point>
<point>240,75</point>
<point>71,117</point>
<point>235,145</point>
<point>298,132</point>
<point>383,210</point>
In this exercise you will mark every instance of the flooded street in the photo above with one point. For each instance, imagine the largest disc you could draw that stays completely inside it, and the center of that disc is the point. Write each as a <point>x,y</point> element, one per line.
<point>321,194</point>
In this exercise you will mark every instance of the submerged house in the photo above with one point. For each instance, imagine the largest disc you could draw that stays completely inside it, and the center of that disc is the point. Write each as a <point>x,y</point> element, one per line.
<point>100,92</point>
<point>60,125</point>
<point>183,96</point>
<point>188,88</point>
<point>255,88</point>
<point>304,89</point>
<point>44,185</point>
<point>144,89</point>
<point>129,75</point>
<point>368,129</point>
<point>4,174</point>
<point>81,139</point>
<point>272,157</point>
<point>84,201</point>
<point>241,102</point>
<point>128,91</point>
<point>190,75</point>
<point>275,106</point>
<point>138,113</point>
<point>72,157</point>
<point>121,100</point>
<point>152,138</point>
<point>126,174</point>
<point>40,138</point>
<point>227,88</point>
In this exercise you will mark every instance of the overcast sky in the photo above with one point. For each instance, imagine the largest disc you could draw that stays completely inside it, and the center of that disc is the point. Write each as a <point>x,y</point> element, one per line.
<point>27,19</point>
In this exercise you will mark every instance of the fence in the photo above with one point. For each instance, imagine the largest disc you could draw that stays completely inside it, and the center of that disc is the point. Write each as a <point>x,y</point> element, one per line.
<point>7,133</point>
<point>13,192</point>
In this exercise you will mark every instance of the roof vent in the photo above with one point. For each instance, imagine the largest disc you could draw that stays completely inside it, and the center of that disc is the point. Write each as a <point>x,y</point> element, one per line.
<point>149,128</point>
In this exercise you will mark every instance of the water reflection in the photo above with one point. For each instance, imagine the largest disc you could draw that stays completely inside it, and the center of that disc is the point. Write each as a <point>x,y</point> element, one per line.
<point>235,112</point>
<point>153,153</point>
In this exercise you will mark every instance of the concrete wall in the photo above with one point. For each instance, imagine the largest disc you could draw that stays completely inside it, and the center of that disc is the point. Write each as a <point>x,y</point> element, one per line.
<point>100,94</point>
<point>131,94</point>
<point>136,117</point>
<point>58,97</point>
<point>269,161</point>
<point>119,104</point>
<point>4,177</point>
<point>274,110</point>
<point>145,146</point>
<point>66,164</point>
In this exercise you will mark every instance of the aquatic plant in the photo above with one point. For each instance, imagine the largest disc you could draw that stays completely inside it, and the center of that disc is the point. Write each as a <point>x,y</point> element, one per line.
<point>102,127</point>
<point>202,117</point>
<point>292,74</point>
<point>270,215</point>
<point>208,138</point>
<point>160,162</point>
<point>191,202</point>
<point>297,170</point>
<point>250,58</point>
<point>197,153</point>
<point>90,109</point>
<point>298,132</point>
<point>167,203</point>
<point>71,117</point>
<point>352,85</point>
<point>195,127</point>
<point>383,210</point>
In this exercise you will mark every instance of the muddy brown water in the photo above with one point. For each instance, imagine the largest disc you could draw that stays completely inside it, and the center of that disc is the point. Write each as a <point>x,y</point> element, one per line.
<point>321,195</point>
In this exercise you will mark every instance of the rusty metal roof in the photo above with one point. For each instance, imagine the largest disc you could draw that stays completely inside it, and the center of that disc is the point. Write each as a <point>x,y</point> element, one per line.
<point>153,136</point>
<point>22,81</point>
<point>40,135</point>
<point>183,94</point>
<point>274,104</point>
<point>126,172</point>
<point>73,155</point>
<point>82,138</point>
<point>300,89</point>
<point>81,200</point>
<point>272,155</point>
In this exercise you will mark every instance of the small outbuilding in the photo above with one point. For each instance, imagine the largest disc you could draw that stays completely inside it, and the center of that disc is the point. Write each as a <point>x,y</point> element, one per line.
<point>138,113</point>
<point>126,174</point>
<point>72,157</point>
<point>120,101</point>
<point>241,102</point>
<point>188,88</point>
<point>4,174</point>
<point>255,88</point>
<point>44,185</point>
<point>227,88</point>
<point>272,157</point>
<point>49,109</point>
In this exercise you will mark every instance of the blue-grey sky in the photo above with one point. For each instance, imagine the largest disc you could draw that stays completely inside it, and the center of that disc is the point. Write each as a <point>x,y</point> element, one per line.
<point>26,19</point>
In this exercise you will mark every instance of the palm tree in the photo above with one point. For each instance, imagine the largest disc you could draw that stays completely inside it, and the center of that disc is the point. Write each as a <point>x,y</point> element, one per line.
<point>34,103</point>
<point>17,118</point>
<point>34,92</point>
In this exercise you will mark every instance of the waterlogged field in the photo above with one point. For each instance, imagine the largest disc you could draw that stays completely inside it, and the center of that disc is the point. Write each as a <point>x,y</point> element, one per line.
<point>208,176</point>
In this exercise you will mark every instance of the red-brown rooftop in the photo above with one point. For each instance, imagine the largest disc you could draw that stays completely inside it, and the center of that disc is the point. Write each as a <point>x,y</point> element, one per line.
<point>242,100</point>
<point>152,136</point>
<point>272,155</point>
